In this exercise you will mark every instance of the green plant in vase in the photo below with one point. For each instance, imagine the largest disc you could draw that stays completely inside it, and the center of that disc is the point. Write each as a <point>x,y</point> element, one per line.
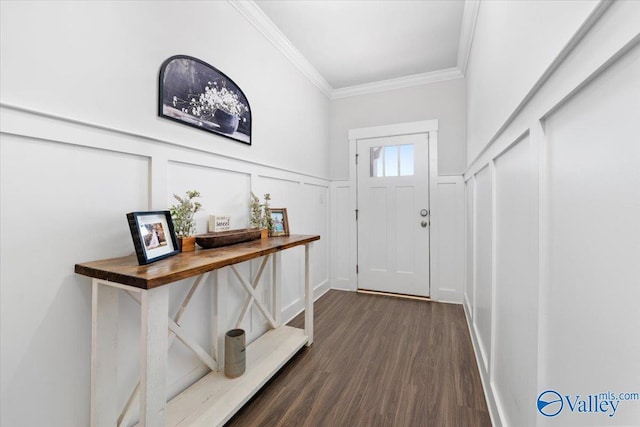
<point>182,215</point>
<point>261,213</point>
<point>268,221</point>
<point>255,219</point>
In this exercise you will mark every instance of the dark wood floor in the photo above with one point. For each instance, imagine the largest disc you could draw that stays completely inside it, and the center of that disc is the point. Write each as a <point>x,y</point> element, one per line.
<point>376,361</point>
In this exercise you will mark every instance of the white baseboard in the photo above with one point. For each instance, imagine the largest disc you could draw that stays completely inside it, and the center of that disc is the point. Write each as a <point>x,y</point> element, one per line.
<point>467,308</point>
<point>321,289</point>
<point>449,296</point>
<point>338,288</point>
<point>343,284</point>
<point>297,306</point>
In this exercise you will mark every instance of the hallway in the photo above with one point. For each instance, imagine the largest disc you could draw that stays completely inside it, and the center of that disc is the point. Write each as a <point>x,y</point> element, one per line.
<point>376,361</point>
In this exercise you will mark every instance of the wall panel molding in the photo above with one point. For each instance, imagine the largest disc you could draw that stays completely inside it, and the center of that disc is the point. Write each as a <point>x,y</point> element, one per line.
<point>342,227</point>
<point>552,161</point>
<point>498,146</point>
<point>451,239</point>
<point>162,168</point>
<point>573,52</point>
<point>484,250</point>
<point>16,120</point>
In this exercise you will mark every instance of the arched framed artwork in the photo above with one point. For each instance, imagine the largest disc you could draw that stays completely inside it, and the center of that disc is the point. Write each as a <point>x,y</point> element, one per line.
<point>197,94</point>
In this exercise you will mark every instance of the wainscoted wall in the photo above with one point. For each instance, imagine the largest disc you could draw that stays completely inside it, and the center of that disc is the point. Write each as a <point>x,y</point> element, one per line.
<point>483,294</point>
<point>450,247</point>
<point>591,236</point>
<point>515,299</point>
<point>552,201</point>
<point>449,220</point>
<point>81,145</point>
<point>65,190</point>
<point>343,269</point>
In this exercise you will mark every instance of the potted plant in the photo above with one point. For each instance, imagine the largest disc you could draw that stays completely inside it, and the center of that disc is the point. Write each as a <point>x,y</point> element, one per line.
<point>261,214</point>
<point>182,215</point>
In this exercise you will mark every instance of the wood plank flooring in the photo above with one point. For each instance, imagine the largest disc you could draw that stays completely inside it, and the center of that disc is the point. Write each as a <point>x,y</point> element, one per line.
<point>376,361</point>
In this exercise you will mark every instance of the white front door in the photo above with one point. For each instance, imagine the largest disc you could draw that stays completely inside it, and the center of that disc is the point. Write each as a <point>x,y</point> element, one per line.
<point>393,214</point>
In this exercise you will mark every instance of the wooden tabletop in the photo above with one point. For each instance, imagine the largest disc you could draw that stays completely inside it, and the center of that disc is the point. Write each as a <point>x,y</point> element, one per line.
<point>126,271</point>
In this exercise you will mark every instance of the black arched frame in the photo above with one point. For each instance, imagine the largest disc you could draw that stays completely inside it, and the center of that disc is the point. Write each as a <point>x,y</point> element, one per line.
<point>199,95</point>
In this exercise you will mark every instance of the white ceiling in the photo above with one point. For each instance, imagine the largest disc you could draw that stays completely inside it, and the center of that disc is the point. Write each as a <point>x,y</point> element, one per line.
<point>357,42</point>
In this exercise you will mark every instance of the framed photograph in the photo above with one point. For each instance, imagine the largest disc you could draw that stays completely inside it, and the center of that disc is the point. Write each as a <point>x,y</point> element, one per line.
<point>197,94</point>
<point>153,235</point>
<point>280,222</point>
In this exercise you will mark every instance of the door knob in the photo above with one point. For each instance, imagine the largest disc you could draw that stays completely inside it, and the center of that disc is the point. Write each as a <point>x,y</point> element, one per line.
<point>424,224</point>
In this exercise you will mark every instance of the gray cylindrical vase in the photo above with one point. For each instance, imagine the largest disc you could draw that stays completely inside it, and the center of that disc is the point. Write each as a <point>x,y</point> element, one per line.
<point>234,353</point>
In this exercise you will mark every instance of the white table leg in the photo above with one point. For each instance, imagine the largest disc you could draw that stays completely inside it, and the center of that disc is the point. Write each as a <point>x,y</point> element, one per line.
<point>214,319</point>
<point>153,356</point>
<point>276,286</point>
<point>308,296</point>
<point>104,355</point>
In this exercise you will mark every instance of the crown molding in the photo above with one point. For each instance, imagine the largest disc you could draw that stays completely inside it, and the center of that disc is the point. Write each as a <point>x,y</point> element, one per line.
<point>252,13</point>
<point>467,30</point>
<point>250,10</point>
<point>398,83</point>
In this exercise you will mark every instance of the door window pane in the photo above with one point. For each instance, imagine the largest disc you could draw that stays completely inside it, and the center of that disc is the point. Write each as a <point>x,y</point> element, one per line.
<point>392,160</point>
<point>406,160</point>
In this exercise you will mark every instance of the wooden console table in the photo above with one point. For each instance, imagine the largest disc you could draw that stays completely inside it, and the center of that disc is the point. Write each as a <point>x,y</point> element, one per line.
<point>212,400</point>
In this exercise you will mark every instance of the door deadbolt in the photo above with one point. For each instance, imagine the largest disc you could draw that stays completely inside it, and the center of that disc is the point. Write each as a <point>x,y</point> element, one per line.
<point>424,212</point>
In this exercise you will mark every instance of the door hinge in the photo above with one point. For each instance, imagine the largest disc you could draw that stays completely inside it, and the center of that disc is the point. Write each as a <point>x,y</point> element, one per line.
<point>356,214</point>
<point>357,158</point>
<point>357,269</point>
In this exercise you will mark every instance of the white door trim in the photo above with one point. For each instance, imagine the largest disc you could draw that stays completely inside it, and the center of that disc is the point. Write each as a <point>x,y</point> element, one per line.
<point>426,126</point>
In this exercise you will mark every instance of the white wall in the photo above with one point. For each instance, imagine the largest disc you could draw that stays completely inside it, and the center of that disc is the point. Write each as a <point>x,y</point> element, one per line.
<point>552,295</point>
<point>81,145</point>
<point>447,200</point>
<point>592,238</point>
<point>444,101</point>
<point>513,44</point>
<point>98,62</point>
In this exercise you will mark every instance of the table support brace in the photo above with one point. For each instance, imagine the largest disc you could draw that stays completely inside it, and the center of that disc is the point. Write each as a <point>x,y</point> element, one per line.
<point>253,296</point>
<point>249,301</point>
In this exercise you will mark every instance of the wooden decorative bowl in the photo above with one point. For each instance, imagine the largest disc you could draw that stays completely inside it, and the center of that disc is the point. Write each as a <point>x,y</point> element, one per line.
<point>226,238</point>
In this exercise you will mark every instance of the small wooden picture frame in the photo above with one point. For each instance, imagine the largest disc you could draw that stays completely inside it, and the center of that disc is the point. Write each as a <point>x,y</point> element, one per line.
<point>154,237</point>
<point>280,222</point>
